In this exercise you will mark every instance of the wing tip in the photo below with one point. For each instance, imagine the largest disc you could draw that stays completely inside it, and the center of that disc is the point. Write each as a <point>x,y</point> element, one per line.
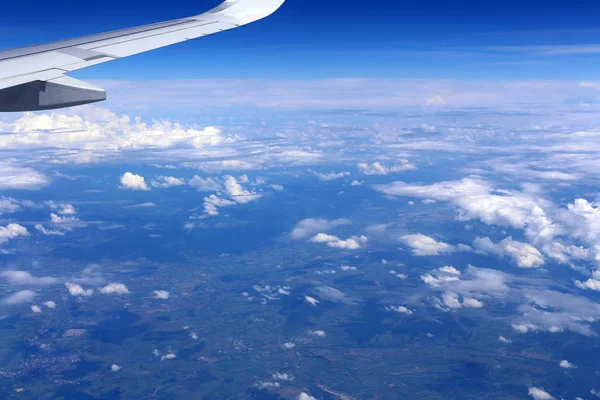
<point>246,11</point>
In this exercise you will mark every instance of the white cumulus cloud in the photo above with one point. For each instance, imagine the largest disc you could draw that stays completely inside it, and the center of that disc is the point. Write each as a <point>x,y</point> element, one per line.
<point>133,182</point>
<point>539,394</point>
<point>114,288</point>
<point>161,294</point>
<point>352,243</point>
<point>310,226</point>
<point>423,245</point>
<point>75,289</point>
<point>11,231</point>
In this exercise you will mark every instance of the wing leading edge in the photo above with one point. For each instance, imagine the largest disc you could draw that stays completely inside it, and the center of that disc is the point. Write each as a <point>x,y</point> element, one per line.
<point>35,77</point>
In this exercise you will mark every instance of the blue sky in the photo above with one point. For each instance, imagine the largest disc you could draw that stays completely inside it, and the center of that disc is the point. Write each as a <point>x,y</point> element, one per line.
<point>465,40</point>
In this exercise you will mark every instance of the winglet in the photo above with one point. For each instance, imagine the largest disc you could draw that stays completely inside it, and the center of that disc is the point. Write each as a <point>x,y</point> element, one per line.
<point>243,12</point>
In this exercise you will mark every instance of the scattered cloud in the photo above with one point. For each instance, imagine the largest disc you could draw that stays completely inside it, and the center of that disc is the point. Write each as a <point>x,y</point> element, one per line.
<point>310,226</point>
<point>352,243</point>
<point>204,185</point>
<point>282,376</point>
<point>49,304</point>
<point>25,278</point>
<point>21,178</point>
<point>133,182</point>
<point>164,182</point>
<point>75,289</point>
<point>523,254</point>
<point>11,231</point>
<point>539,394</point>
<point>23,296</point>
<point>161,294</point>
<point>435,101</point>
<point>305,396</point>
<point>114,288</point>
<point>592,283</point>
<point>311,300</point>
<point>330,176</point>
<point>378,168</point>
<point>48,232</point>
<point>451,301</point>
<point>168,356</point>
<point>398,309</point>
<point>423,245</point>
<point>567,365</point>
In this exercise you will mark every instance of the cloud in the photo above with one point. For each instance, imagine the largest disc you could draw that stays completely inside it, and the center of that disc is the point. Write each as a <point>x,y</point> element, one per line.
<point>332,294</point>
<point>288,345</point>
<point>305,396</point>
<point>554,311</point>
<point>25,278</point>
<point>437,281</point>
<point>451,300</point>
<point>311,300</point>
<point>310,226</point>
<point>592,283</point>
<point>377,168</point>
<point>539,394</point>
<point>330,176</point>
<point>20,178</point>
<point>36,309</point>
<point>204,185</point>
<point>282,376</point>
<point>398,309</point>
<point>164,182</point>
<point>448,269</point>
<point>168,356</point>
<point>236,192</point>
<point>57,219</point>
<point>48,232</point>
<point>523,254</point>
<point>76,290</point>
<point>213,202</point>
<point>8,205</point>
<point>114,288</point>
<point>264,385</point>
<point>318,333</point>
<point>115,368</point>
<point>61,208</point>
<point>23,296</point>
<point>435,101</point>
<point>352,243</point>
<point>133,182</point>
<point>11,231</point>
<point>49,304</point>
<point>566,364</point>
<point>504,340</point>
<point>161,294</point>
<point>423,245</point>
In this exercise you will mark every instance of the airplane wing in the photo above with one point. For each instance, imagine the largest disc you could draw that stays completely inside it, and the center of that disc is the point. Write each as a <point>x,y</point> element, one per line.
<point>36,77</point>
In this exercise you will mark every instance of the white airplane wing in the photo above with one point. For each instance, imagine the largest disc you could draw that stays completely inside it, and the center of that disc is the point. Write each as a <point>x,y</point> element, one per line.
<point>35,77</point>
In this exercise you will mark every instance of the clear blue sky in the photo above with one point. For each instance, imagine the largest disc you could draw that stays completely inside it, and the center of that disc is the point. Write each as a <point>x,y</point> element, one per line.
<point>309,39</point>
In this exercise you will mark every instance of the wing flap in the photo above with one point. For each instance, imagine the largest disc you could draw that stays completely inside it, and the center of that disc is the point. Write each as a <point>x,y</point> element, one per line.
<point>59,92</point>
